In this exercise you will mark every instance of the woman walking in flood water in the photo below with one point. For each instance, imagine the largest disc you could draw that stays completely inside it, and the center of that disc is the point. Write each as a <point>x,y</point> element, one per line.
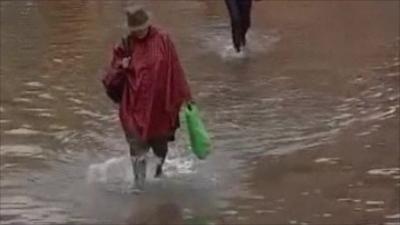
<point>146,79</point>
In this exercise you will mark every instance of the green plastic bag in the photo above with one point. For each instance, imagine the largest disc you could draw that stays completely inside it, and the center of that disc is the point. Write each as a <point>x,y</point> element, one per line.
<point>199,140</point>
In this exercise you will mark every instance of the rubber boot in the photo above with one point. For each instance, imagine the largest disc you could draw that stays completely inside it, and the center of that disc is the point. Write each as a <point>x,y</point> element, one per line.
<point>139,171</point>
<point>159,170</point>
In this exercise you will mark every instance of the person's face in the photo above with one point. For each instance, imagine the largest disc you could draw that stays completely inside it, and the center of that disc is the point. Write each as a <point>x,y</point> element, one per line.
<point>140,33</point>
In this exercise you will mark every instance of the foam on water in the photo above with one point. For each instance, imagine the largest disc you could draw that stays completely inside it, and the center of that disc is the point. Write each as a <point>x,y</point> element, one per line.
<point>34,84</point>
<point>22,100</point>
<point>384,171</point>
<point>394,216</point>
<point>59,88</point>
<point>392,223</point>
<point>57,127</point>
<point>371,203</point>
<point>56,60</point>
<point>116,172</point>
<point>45,115</point>
<point>179,166</point>
<point>4,121</point>
<point>265,211</point>
<point>22,131</point>
<point>230,53</point>
<point>219,40</point>
<point>36,109</point>
<point>327,160</point>
<point>88,113</point>
<point>7,165</point>
<point>75,100</point>
<point>46,96</point>
<point>21,150</point>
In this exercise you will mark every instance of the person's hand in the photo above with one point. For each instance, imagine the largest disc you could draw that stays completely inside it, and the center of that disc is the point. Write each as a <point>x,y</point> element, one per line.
<point>125,62</point>
<point>190,103</point>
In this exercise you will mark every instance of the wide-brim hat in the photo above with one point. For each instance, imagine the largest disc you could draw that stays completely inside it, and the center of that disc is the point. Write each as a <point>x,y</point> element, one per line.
<point>137,18</point>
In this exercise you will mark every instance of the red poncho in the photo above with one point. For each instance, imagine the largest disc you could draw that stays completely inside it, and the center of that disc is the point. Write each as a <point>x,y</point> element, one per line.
<point>151,92</point>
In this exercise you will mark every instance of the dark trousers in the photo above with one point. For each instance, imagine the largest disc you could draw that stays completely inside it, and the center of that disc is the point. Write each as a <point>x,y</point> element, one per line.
<point>138,150</point>
<point>160,149</point>
<point>239,12</point>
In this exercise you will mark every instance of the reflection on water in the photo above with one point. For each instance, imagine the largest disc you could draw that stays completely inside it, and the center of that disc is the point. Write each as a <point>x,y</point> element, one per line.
<point>63,156</point>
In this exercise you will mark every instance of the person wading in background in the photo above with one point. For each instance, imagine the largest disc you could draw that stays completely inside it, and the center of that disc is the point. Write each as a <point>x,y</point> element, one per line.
<point>240,14</point>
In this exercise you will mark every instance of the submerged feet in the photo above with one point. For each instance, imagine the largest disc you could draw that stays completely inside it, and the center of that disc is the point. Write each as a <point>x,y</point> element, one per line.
<point>139,165</point>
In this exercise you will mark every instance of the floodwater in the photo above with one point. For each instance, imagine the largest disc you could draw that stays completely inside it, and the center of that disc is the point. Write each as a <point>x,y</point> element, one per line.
<point>63,155</point>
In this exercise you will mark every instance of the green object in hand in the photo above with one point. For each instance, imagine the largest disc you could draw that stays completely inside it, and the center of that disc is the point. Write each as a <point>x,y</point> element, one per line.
<point>199,140</point>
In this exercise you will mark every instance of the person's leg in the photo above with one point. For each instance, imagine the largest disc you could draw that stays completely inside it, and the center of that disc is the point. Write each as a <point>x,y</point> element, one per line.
<point>138,152</point>
<point>234,14</point>
<point>245,15</point>
<point>160,149</point>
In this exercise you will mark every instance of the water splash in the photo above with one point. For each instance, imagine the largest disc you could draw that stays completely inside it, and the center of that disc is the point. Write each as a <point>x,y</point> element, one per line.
<point>117,172</point>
